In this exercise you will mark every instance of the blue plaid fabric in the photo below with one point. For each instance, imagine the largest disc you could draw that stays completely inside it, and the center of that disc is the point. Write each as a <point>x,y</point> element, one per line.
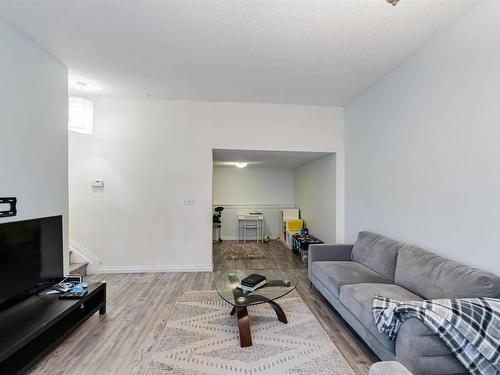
<point>470,327</point>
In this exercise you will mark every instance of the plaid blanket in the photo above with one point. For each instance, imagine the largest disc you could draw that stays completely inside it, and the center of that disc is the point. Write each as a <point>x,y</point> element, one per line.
<point>469,327</point>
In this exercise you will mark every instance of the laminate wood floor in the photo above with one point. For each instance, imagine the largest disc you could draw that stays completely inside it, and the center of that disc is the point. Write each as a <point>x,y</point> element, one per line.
<point>123,340</point>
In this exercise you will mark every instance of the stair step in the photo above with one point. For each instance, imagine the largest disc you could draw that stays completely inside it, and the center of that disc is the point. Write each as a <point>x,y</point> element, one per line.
<point>78,268</point>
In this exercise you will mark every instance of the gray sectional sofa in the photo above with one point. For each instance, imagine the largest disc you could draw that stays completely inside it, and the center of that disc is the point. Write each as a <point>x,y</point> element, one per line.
<point>349,276</point>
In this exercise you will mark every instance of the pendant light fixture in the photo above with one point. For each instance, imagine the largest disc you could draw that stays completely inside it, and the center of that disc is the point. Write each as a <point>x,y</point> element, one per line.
<point>81,111</point>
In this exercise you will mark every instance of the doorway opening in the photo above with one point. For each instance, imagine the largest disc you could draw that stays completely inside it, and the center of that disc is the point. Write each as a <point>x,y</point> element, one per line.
<point>264,202</point>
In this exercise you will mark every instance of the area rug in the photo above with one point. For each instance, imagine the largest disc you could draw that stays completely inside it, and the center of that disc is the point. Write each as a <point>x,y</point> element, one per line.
<point>200,337</point>
<point>237,251</point>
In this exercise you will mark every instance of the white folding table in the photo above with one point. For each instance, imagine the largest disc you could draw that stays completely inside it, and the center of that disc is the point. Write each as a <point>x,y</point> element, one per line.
<point>251,222</point>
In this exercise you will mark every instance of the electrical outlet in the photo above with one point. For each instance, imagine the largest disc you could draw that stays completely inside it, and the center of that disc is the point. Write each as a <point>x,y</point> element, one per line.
<point>189,202</point>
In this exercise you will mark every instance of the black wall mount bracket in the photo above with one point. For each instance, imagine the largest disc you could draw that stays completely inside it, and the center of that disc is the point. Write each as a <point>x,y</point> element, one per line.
<point>12,211</point>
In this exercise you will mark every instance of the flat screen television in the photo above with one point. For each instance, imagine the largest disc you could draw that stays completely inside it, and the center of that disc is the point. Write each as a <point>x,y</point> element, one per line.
<point>31,257</point>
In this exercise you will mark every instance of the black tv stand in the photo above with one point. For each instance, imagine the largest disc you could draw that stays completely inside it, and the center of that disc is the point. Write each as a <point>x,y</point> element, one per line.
<point>32,328</point>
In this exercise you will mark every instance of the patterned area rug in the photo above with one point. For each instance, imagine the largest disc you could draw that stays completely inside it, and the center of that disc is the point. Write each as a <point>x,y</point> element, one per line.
<point>201,337</point>
<point>235,250</point>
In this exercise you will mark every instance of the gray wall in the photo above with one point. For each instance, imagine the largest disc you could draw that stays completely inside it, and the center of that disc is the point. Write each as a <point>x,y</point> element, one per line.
<point>33,129</point>
<point>423,146</point>
<point>315,197</point>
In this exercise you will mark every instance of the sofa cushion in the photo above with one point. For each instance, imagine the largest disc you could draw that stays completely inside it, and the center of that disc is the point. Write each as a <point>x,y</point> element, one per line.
<point>377,252</point>
<point>433,276</point>
<point>334,274</point>
<point>358,298</point>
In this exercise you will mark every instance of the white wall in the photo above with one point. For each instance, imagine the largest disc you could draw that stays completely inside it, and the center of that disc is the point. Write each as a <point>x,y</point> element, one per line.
<point>33,129</point>
<point>423,146</point>
<point>153,154</point>
<point>254,188</point>
<point>315,197</point>
<point>253,185</point>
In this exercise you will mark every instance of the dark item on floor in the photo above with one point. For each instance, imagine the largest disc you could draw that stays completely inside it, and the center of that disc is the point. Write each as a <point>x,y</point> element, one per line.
<point>236,251</point>
<point>217,222</point>
<point>300,245</point>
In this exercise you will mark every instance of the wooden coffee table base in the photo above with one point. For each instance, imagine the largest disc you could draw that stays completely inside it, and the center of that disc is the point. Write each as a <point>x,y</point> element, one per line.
<point>244,321</point>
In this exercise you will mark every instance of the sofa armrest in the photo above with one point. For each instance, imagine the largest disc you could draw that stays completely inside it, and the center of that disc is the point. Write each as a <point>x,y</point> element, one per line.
<point>321,252</point>
<point>423,352</point>
<point>329,252</point>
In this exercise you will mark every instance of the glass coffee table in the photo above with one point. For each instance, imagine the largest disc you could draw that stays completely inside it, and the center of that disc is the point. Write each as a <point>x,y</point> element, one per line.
<point>275,288</point>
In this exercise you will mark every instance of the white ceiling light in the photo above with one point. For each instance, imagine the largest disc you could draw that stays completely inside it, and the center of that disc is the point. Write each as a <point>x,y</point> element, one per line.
<point>239,164</point>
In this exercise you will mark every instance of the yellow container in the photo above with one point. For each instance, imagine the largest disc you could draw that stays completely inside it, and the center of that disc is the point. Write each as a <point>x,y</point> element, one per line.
<point>295,224</point>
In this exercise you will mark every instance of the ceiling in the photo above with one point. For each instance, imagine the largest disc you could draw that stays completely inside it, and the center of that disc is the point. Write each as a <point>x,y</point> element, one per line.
<point>275,159</point>
<point>321,52</point>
